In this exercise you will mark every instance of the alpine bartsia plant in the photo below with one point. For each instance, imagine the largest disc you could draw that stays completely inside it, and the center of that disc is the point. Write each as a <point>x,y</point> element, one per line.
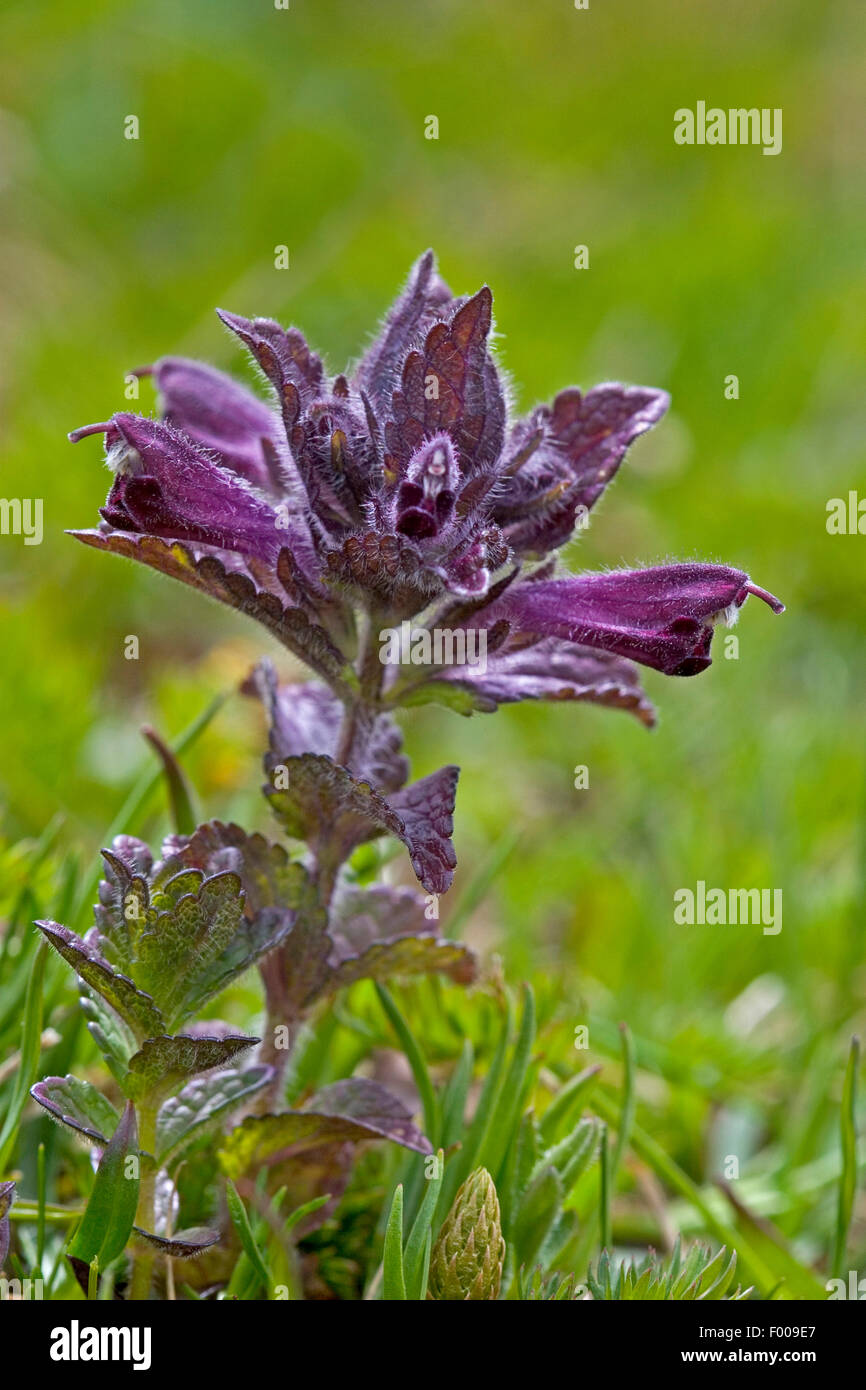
<point>398,493</point>
<point>336,511</point>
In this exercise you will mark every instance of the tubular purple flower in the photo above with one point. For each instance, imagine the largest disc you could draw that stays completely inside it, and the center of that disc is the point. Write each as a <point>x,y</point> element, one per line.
<point>659,617</point>
<point>165,486</point>
<point>399,491</point>
<point>225,419</point>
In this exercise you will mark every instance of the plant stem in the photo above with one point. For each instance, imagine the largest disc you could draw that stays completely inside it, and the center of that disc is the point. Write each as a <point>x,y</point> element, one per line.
<point>359,713</point>
<point>142,1266</point>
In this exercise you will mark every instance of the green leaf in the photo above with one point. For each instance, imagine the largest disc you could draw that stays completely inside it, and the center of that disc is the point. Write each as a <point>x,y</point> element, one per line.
<point>572,1155</point>
<point>462,699</point>
<point>536,1215</point>
<point>107,1222</point>
<point>112,1035</point>
<point>455,1095</point>
<point>393,1281</point>
<point>629,1101</point>
<point>180,947</point>
<point>77,1104</point>
<point>302,1212</point>
<point>771,1247</point>
<point>163,1065</point>
<point>186,1117</point>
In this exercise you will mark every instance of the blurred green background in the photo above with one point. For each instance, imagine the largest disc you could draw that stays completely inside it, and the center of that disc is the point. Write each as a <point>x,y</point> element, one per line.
<point>305,127</point>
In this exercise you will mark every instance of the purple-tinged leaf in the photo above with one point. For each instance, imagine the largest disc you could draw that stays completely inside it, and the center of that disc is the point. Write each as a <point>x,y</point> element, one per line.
<point>368,1104</point>
<point>553,670</point>
<point>307,719</point>
<point>382,932</point>
<point>406,955</point>
<point>317,800</point>
<point>425,299</point>
<point>324,805</point>
<point>467,403</point>
<point>268,877</point>
<point>77,1104</point>
<point>353,1111</point>
<point>182,1245</point>
<point>135,1008</point>
<point>163,1065</point>
<point>282,354</point>
<point>303,718</point>
<point>201,1105</point>
<point>564,456</point>
<point>361,916</point>
<point>231,580</point>
<point>181,949</point>
<point>426,809</point>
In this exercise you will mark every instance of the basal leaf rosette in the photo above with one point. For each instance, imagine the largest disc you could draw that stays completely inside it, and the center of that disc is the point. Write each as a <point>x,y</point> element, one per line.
<point>169,936</point>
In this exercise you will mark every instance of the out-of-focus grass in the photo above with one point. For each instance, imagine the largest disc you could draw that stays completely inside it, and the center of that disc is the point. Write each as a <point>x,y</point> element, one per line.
<point>306,127</point>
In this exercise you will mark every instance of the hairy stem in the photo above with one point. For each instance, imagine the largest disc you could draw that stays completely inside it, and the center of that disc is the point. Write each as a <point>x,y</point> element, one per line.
<point>359,712</point>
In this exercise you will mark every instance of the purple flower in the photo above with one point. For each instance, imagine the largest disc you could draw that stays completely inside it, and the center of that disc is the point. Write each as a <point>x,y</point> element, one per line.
<point>401,491</point>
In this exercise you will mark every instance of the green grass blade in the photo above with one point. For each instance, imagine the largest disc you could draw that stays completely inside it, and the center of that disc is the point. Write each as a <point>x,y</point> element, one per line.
<point>421,1235</point>
<point>241,1223</point>
<point>393,1281</point>
<point>604,1192</point>
<point>848,1179</point>
<point>506,1113</point>
<point>629,1102</point>
<point>566,1100</point>
<point>179,795</point>
<point>126,818</point>
<point>416,1062</point>
<point>454,1096</point>
<point>463,1163</point>
<point>31,1042</point>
